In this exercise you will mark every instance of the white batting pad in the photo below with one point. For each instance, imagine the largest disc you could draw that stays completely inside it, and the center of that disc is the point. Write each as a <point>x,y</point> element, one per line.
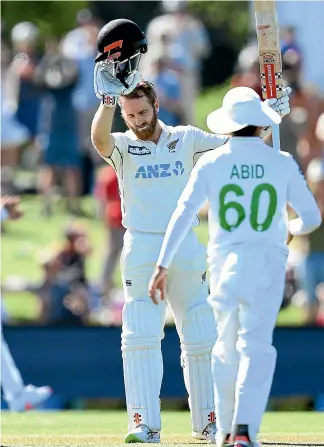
<point>198,337</point>
<point>142,360</point>
<point>11,380</point>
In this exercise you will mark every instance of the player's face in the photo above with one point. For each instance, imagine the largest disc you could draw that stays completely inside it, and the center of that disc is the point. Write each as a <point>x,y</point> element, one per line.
<point>140,116</point>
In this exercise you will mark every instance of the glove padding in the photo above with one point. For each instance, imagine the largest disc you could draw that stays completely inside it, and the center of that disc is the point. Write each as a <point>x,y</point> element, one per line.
<point>108,88</point>
<point>281,105</point>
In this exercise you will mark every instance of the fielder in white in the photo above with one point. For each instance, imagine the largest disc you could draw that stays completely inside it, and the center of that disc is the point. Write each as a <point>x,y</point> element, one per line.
<point>248,186</point>
<point>18,396</point>
<point>153,163</point>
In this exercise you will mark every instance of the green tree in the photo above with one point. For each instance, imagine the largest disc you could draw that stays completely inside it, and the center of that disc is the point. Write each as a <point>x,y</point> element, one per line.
<point>231,16</point>
<point>53,18</point>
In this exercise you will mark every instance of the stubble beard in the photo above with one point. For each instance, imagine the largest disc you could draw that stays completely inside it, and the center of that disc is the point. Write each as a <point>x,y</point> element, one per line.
<point>148,131</point>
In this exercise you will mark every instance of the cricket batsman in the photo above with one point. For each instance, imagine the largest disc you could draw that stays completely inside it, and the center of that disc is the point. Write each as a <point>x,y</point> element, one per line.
<point>248,186</point>
<point>153,163</point>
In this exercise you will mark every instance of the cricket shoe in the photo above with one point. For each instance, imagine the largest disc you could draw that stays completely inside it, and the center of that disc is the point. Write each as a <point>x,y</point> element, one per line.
<point>244,441</point>
<point>143,434</point>
<point>208,434</point>
<point>29,398</point>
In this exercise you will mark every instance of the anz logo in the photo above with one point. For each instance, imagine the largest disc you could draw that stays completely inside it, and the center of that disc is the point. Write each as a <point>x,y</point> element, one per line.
<point>159,171</point>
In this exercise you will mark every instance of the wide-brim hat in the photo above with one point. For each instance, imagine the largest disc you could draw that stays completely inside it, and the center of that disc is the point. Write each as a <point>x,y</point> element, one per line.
<point>242,107</point>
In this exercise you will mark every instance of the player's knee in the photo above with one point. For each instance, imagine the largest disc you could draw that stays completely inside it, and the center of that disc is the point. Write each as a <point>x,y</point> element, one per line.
<point>198,330</point>
<point>251,343</point>
<point>142,326</point>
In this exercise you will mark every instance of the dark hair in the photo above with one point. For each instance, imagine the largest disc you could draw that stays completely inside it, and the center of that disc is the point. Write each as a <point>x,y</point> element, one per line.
<point>144,88</point>
<point>248,131</point>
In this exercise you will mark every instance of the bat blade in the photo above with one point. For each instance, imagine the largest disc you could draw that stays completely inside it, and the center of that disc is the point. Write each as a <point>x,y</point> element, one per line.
<point>269,48</point>
<point>269,55</point>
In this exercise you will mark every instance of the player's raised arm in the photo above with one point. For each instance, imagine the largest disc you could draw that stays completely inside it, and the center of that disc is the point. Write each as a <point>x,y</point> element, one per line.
<point>108,89</point>
<point>120,45</point>
<point>302,202</point>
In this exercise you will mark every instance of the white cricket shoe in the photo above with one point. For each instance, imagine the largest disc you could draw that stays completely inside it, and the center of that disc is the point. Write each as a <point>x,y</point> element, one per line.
<point>208,434</point>
<point>30,397</point>
<point>143,434</point>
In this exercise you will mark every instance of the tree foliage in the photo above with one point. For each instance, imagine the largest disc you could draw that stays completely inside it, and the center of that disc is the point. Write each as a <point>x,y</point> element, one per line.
<point>231,16</point>
<point>53,18</point>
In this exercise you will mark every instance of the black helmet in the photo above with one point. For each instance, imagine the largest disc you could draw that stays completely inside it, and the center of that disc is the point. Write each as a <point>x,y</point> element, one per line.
<point>121,42</point>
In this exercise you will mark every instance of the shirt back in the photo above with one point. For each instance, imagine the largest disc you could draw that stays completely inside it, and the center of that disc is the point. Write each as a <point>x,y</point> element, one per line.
<point>248,185</point>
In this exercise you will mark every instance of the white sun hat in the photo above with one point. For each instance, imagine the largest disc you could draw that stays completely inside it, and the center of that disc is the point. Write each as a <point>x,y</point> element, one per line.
<point>242,107</point>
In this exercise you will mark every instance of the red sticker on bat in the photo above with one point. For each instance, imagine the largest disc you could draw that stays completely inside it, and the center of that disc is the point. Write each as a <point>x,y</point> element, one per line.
<point>270,78</point>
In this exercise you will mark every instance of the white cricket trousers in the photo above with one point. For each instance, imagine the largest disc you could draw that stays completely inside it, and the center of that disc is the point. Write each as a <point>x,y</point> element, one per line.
<point>246,292</point>
<point>143,324</point>
<point>11,381</point>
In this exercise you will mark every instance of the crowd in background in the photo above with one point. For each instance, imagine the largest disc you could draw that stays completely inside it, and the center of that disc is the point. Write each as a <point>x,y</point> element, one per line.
<point>47,105</point>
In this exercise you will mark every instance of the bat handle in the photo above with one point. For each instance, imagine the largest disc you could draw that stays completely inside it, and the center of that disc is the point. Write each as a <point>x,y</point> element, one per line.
<point>276,137</point>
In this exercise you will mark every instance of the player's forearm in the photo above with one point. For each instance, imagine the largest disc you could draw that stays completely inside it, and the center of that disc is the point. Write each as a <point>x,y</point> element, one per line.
<point>306,223</point>
<point>101,130</point>
<point>179,225</point>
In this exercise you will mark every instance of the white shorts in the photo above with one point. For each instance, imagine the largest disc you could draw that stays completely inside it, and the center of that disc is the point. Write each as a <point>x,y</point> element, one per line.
<point>186,285</point>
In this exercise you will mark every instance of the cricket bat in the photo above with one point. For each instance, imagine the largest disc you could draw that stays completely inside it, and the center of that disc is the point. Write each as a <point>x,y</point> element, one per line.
<point>269,55</point>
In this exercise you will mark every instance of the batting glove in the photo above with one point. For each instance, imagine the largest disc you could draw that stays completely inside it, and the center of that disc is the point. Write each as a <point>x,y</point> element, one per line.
<point>281,105</point>
<point>108,88</point>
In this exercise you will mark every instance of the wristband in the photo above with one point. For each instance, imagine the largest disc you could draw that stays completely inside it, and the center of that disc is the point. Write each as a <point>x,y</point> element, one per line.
<point>109,101</point>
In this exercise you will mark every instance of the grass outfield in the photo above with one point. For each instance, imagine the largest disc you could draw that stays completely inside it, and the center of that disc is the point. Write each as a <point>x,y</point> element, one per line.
<point>102,428</point>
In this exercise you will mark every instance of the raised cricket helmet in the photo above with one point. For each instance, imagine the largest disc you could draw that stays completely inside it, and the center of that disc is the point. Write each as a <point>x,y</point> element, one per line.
<point>121,43</point>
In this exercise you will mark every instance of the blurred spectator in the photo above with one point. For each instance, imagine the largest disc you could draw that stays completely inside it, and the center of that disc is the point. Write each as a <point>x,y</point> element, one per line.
<point>188,43</point>
<point>13,134</point>
<point>107,192</point>
<point>79,45</point>
<point>247,70</point>
<point>297,131</point>
<point>64,292</point>
<point>22,94</point>
<point>168,88</point>
<point>58,127</point>
<point>289,41</point>
<point>313,268</point>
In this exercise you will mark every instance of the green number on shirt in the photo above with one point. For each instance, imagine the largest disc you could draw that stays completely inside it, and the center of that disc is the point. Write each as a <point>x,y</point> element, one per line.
<point>254,207</point>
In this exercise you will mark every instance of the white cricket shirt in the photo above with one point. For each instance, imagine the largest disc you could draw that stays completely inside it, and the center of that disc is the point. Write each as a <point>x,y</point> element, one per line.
<point>152,176</point>
<point>248,186</point>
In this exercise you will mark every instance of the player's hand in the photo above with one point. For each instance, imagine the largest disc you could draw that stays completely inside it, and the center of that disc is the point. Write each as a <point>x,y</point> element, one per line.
<point>157,285</point>
<point>281,105</point>
<point>107,87</point>
<point>10,204</point>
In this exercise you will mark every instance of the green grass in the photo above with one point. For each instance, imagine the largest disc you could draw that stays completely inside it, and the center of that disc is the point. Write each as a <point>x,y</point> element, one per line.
<point>102,428</point>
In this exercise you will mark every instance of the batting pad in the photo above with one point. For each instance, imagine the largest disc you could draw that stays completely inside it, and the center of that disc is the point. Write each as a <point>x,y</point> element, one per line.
<point>142,361</point>
<point>198,337</point>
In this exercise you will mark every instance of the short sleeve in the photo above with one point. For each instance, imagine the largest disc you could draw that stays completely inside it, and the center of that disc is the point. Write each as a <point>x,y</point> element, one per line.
<point>299,197</point>
<point>204,142</point>
<point>118,154</point>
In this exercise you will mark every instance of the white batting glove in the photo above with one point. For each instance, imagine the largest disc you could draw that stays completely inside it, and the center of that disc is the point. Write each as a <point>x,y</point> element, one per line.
<point>281,105</point>
<point>108,88</point>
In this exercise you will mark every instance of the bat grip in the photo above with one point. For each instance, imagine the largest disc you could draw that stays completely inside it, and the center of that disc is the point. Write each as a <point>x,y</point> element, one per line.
<point>276,137</point>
